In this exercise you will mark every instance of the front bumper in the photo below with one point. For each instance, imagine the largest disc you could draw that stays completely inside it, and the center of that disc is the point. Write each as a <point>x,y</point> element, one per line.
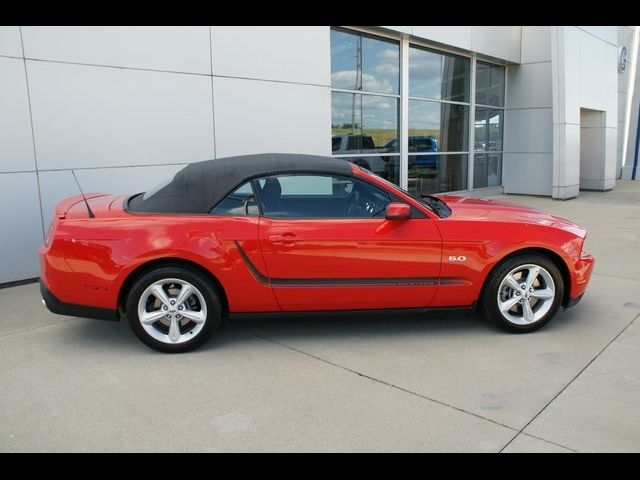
<point>74,310</point>
<point>573,301</point>
<point>581,274</point>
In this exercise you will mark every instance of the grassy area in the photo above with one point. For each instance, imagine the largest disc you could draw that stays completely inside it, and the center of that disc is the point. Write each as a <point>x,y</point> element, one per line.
<point>381,136</point>
<point>424,132</point>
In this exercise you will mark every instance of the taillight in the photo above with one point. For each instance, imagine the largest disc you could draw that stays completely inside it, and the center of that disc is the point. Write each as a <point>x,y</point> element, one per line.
<point>49,236</point>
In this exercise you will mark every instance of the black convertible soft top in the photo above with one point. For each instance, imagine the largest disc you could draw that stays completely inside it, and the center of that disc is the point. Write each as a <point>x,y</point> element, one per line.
<point>200,186</point>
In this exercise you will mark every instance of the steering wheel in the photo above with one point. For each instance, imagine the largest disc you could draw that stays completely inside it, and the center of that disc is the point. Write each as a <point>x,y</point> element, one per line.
<point>355,209</point>
<point>374,208</point>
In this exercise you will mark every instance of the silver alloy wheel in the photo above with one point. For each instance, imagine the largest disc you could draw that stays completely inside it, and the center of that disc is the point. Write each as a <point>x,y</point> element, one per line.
<point>172,311</point>
<point>526,294</point>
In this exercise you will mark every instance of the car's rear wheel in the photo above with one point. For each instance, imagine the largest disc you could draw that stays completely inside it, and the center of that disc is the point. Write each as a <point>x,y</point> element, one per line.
<point>173,309</point>
<point>523,293</point>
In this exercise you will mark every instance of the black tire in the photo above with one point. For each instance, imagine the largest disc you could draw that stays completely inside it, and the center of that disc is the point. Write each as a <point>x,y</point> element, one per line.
<point>489,301</point>
<point>209,294</point>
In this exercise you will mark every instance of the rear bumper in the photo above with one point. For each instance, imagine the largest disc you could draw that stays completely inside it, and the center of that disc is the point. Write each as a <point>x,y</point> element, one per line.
<point>74,310</point>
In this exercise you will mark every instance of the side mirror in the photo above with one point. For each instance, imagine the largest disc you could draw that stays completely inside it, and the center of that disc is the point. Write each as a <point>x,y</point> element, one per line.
<point>398,211</point>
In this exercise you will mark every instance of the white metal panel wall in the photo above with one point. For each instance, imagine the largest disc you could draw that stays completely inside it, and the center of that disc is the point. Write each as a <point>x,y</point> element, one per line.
<point>528,126</point>
<point>402,28</point>
<point>632,127</point>
<point>271,89</point>
<point>177,49</point>
<point>529,131</point>
<point>86,116</point>
<point>21,231</point>
<point>16,146</point>
<point>20,221</point>
<point>254,116</point>
<point>10,44</point>
<point>625,83</point>
<point>592,148</point>
<point>536,44</point>
<point>584,75</point>
<point>603,32</point>
<point>499,41</point>
<point>127,106</point>
<point>456,36</point>
<point>286,54</point>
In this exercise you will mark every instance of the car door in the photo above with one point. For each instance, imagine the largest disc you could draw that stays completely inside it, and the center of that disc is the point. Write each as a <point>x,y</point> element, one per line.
<point>327,246</point>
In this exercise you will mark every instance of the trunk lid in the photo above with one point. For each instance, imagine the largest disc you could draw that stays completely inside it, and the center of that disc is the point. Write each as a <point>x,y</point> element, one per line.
<point>75,207</point>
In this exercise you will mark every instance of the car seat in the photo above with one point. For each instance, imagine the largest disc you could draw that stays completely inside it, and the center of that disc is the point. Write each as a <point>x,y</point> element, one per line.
<point>270,195</point>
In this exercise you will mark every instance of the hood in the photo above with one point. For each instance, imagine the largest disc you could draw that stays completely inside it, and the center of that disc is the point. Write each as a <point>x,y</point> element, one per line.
<point>484,209</point>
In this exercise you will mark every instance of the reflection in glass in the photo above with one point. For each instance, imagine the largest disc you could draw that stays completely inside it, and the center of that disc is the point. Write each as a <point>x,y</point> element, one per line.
<point>489,84</point>
<point>487,170</point>
<point>488,129</point>
<point>364,62</point>
<point>324,196</point>
<point>440,126</point>
<point>437,173</point>
<point>240,202</point>
<point>363,123</point>
<point>388,167</point>
<point>438,76</point>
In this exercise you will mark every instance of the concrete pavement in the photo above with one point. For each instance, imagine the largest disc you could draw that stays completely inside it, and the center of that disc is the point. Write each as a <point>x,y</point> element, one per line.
<point>436,383</point>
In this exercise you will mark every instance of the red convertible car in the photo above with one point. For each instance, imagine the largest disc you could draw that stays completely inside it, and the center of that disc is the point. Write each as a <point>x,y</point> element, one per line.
<point>276,234</point>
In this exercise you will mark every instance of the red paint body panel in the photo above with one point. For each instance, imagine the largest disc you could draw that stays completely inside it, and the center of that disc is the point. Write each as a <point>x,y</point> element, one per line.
<point>489,230</point>
<point>88,260</point>
<point>398,211</point>
<point>269,265</point>
<point>351,249</point>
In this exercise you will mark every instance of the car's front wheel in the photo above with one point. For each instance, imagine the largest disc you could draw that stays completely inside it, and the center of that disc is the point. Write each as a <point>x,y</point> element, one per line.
<point>173,309</point>
<point>523,293</point>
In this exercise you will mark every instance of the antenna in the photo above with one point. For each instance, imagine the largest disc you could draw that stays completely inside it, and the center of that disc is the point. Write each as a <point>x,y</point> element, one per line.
<point>91,215</point>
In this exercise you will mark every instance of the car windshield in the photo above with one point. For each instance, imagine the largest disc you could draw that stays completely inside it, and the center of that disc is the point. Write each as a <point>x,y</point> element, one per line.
<point>433,203</point>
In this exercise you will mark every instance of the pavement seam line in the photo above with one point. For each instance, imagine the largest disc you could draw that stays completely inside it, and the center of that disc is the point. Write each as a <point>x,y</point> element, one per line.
<point>17,332</point>
<point>549,442</point>
<point>616,276</point>
<point>377,380</point>
<point>571,381</point>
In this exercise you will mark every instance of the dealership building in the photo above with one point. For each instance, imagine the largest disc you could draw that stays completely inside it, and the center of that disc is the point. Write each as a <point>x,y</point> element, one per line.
<point>476,110</point>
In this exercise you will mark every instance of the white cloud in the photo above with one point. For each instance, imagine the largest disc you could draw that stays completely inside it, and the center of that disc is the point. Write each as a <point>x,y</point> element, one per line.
<point>389,55</point>
<point>386,70</point>
<point>371,111</point>
<point>347,79</point>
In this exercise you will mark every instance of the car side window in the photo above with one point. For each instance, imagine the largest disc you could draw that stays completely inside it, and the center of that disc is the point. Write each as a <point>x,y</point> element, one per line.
<point>320,196</point>
<point>239,203</point>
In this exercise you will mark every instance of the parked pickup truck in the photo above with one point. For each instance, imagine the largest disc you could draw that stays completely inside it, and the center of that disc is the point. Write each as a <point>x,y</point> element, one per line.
<point>420,143</point>
<point>356,144</point>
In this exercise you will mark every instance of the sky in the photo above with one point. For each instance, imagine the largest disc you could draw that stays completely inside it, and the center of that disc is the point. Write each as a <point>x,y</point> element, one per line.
<point>431,75</point>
